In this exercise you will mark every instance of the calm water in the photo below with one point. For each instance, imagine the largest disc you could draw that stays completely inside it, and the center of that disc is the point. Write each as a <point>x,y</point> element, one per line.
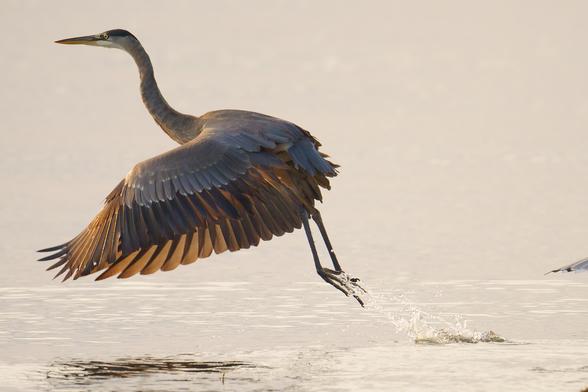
<point>461,131</point>
<point>297,336</point>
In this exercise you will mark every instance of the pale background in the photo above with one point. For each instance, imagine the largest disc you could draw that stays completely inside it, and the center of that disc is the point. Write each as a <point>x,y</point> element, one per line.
<point>460,128</point>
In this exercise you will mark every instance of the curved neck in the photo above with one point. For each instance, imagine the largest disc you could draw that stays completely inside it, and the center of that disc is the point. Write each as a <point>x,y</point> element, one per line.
<point>180,127</point>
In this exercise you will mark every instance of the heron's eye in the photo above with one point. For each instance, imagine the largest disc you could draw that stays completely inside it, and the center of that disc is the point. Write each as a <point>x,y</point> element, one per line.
<point>104,36</point>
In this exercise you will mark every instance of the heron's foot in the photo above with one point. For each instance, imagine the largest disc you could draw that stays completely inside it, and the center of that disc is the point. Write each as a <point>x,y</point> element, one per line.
<point>343,282</point>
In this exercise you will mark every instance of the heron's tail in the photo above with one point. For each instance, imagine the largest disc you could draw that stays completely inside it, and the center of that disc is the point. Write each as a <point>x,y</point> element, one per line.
<point>305,155</point>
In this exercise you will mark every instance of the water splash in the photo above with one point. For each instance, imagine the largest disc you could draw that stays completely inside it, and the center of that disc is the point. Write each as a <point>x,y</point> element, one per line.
<point>424,327</point>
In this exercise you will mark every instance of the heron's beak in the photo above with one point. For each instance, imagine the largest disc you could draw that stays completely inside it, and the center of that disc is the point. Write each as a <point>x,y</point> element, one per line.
<point>86,40</point>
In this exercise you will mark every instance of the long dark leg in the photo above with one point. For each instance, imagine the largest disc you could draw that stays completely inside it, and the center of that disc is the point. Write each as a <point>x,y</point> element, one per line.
<point>316,216</point>
<point>317,262</point>
<point>347,284</point>
<point>328,275</point>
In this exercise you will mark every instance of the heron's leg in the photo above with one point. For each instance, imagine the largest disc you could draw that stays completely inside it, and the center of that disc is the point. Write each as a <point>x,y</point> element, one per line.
<point>316,216</point>
<point>317,262</point>
<point>329,276</point>
<point>348,284</point>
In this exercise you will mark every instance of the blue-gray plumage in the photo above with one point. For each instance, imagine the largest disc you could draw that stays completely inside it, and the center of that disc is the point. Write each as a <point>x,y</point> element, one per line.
<point>578,266</point>
<point>236,178</point>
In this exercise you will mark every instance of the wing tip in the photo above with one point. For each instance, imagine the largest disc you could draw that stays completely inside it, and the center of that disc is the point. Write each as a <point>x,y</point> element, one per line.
<point>102,276</point>
<point>566,269</point>
<point>53,248</point>
<point>54,255</point>
<point>578,266</point>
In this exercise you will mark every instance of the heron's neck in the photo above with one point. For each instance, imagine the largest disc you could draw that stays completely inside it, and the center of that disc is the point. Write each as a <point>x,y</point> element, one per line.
<point>180,127</point>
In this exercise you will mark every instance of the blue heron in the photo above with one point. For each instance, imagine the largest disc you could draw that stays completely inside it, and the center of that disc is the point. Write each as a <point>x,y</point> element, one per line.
<point>237,177</point>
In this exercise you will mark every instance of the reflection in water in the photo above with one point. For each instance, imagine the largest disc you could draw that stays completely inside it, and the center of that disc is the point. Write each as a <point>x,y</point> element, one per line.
<point>82,372</point>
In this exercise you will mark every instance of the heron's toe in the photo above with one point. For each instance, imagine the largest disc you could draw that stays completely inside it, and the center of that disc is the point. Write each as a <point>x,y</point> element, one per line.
<point>343,282</point>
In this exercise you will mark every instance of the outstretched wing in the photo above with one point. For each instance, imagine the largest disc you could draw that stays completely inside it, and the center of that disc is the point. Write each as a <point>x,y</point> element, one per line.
<point>226,189</point>
<point>578,266</point>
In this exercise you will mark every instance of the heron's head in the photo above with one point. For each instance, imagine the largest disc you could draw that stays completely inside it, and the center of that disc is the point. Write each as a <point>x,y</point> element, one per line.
<point>117,38</point>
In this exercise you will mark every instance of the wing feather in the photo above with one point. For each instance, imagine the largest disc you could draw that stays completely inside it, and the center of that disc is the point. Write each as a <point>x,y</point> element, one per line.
<point>120,265</point>
<point>191,250</point>
<point>205,244</point>
<point>244,179</point>
<point>176,253</point>
<point>158,258</point>
<point>139,262</point>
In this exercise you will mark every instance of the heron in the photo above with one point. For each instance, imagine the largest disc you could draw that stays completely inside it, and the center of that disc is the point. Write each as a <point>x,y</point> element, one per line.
<point>237,178</point>
<point>578,266</point>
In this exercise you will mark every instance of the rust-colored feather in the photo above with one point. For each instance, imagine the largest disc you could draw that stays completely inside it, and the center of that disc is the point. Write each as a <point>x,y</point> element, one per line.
<point>175,254</point>
<point>157,259</point>
<point>138,264</point>
<point>218,239</point>
<point>120,265</point>
<point>192,247</point>
<point>237,183</point>
<point>206,245</point>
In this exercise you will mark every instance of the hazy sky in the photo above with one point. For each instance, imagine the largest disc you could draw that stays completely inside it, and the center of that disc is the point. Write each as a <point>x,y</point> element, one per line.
<point>460,126</point>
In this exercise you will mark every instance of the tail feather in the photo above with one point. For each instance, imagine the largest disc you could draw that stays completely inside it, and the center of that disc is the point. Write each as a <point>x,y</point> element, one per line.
<point>305,155</point>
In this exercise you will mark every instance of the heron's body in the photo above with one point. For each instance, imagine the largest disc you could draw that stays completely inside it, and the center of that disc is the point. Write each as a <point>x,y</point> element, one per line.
<point>237,178</point>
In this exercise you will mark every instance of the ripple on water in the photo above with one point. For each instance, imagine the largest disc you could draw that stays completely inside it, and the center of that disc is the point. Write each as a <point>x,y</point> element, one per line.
<point>580,369</point>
